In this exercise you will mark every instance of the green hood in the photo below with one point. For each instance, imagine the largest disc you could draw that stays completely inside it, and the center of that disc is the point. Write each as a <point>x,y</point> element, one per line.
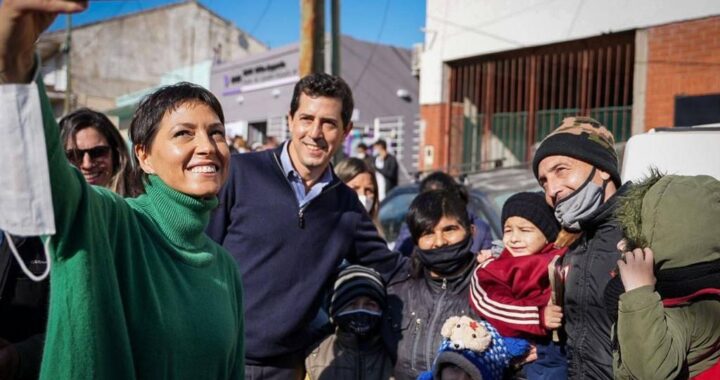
<point>677,216</point>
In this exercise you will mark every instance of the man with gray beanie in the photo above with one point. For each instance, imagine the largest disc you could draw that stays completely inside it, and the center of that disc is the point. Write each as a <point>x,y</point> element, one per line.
<point>577,168</point>
<point>356,349</point>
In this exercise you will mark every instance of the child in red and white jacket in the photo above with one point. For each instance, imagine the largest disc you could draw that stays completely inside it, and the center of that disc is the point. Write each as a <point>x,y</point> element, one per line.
<point>513,291</point>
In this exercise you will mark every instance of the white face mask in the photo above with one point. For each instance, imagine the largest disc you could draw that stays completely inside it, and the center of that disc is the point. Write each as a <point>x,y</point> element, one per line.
<point>26,207</point>
<point>580,204</point>
<point>367,202</point>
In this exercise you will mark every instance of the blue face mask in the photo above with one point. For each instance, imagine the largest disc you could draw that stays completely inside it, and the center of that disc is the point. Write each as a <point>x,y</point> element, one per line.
<point>579,205</point>
<point>26,207</point>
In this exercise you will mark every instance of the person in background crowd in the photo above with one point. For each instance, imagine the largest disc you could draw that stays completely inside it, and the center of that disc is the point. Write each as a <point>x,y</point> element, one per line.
<point>257,146</point>
<point>356,349</point>
<point>240,144</point>
<point>95,147</point>
<point>315,223</point>
<point>386,169</point>
<point>577,167</point>
<point>229,142</point>
<point>133,279</point>
<point>361,152</point>
<point>666,303</point>
<point>513,291</point>
<point>443,264</point>
<point>482,235</point>
<point>271,142</point>
<point>357,175</point>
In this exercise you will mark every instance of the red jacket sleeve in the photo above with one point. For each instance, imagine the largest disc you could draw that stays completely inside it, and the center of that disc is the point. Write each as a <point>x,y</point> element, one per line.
<point>511,293</point>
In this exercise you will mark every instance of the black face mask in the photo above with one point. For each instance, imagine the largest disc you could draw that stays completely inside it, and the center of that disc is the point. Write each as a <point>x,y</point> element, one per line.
<point>449,259</point>
<point>360,322</point>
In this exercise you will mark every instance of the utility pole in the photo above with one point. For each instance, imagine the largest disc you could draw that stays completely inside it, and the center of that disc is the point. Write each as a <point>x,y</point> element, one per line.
<point>335,32</point>
<point>312,36</point>
<point>68,72</point>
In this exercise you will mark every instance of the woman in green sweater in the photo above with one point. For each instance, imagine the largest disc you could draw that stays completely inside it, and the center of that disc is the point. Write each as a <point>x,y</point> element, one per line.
<point>137,289</point>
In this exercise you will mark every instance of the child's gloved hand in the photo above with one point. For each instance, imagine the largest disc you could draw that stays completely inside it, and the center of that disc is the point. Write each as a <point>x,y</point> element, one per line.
<point>553,316</point>
<point>636,268</point>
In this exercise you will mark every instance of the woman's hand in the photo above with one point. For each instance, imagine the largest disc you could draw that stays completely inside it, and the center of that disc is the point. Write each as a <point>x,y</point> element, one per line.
<point>21,22</point>
<point>636,270</point>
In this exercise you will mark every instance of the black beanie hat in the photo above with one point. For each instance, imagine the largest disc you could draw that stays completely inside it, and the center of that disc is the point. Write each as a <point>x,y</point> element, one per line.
<point>582,138</point>
<point>532,207</point>
<point>355,281</point>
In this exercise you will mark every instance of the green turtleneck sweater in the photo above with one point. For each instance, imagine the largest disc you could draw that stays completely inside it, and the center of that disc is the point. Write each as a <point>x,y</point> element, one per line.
<point>137,288</point>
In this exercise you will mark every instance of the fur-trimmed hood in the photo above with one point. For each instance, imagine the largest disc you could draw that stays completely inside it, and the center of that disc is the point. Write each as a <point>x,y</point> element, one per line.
<point>677,216</point>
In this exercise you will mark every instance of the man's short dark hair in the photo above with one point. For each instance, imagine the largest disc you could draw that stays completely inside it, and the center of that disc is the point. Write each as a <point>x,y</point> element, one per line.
<point>362,146</point>
<point>325,85</point>
<point>443,181</point>
<point>382,143</point>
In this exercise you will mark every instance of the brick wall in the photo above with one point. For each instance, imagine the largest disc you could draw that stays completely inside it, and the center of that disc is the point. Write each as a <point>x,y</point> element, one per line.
<point>438,134</point>
<point>683,59</point>
<point>435,119</point>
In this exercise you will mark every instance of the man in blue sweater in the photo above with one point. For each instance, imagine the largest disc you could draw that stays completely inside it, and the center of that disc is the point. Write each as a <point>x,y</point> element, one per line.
<point>290,222</point>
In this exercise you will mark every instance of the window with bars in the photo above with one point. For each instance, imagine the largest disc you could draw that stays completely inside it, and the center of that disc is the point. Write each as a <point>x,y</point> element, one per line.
<point>512,100</point>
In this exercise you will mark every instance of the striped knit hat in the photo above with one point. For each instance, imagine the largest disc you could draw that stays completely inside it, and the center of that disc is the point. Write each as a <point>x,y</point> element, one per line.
<point>355,281</point>
<point>585,139</point>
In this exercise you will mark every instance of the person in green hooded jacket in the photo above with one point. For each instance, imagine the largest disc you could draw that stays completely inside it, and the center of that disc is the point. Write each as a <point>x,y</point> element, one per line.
<point>668,317</point>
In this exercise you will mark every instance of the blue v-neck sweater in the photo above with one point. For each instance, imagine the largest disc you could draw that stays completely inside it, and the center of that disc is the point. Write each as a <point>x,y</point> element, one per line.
<point>138,291</point>
<point>288,254</point>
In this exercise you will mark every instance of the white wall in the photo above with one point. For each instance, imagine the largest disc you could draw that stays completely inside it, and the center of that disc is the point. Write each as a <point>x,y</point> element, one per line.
<point>464,28</point>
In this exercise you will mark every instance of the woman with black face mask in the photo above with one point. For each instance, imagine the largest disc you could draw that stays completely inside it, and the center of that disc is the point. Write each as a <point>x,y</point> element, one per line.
<point>438,288</point>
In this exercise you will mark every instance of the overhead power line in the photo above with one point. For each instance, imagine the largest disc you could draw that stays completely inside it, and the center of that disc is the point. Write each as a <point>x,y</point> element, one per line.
<point>377,40</point>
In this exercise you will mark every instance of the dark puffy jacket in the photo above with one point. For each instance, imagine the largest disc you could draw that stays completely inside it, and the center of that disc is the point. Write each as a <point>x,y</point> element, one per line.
<point>342,356</point>
<point>417,308</point>
<point>24,303</point>
<point>590,264</point>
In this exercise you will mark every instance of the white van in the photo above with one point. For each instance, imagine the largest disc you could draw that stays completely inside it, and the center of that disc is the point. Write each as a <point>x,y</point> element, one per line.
<point>679,150</point>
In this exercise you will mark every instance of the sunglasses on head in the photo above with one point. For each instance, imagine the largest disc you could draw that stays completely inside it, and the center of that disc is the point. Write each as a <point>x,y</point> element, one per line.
<point>77,155</point>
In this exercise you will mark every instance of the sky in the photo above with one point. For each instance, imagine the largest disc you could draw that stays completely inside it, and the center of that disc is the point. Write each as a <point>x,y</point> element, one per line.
<point>277,22</point>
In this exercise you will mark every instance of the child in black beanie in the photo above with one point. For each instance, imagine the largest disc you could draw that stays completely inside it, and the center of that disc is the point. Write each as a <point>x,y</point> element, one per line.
<point>513,291</point>
<point>356,349</point>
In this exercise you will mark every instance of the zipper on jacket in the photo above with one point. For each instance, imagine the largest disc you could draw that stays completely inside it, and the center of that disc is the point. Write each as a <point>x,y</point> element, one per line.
<point>580,346</point>
<point>360,366</point>
<point>416,342</point>
<point>301,210</point>
<point>430,348</point>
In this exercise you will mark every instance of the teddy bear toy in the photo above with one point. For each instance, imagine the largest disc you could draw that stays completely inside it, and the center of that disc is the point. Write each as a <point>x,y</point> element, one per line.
<point>476,348</point>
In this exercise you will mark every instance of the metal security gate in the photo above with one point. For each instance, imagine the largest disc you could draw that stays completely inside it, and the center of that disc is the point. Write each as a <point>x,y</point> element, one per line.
<point>503,104</point>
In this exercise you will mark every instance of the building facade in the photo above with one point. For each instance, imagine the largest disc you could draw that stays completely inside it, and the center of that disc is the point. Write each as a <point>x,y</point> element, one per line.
<point>497,77</point>
<point>132,53</point>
